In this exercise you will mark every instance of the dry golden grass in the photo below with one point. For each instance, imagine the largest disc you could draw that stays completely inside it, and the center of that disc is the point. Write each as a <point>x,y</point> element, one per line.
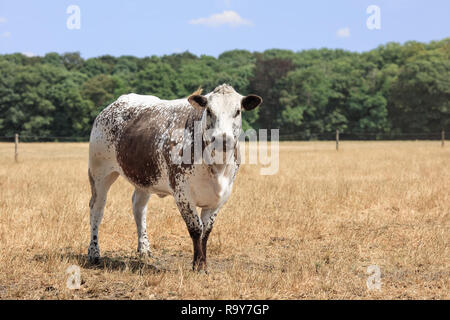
<point>310,231</point>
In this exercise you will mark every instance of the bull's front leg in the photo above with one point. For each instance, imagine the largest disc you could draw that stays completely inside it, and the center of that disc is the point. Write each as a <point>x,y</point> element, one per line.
<point>195,227</point>
<point>208,218</point>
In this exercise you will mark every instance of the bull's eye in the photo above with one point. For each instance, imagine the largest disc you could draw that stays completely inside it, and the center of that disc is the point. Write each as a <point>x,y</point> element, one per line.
<point>238,112</point>
<point>208,113</point>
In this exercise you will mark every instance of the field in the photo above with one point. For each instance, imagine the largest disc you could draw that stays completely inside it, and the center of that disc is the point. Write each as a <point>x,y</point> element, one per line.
<point>308,232</point>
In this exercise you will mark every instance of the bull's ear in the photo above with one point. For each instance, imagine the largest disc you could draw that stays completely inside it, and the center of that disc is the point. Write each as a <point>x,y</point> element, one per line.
<point>251,101</point>
<point>198,101</point>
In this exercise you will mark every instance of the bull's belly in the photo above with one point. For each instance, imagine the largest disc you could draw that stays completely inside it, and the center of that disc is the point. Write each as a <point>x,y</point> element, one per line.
<point>160,187</point>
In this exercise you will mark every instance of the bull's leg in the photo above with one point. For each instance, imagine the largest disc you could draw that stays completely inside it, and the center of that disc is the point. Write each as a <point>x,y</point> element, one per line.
<point>195,227</point>
<point>208,218</point>
<point>140,200</point>
<point>100,185</point>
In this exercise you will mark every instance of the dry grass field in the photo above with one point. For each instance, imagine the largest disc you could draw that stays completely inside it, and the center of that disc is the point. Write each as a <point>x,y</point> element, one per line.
<point>308,232</point>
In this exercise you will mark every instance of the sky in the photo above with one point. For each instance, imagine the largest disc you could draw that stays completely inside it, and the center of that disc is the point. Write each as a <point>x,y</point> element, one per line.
<point>147,27</point>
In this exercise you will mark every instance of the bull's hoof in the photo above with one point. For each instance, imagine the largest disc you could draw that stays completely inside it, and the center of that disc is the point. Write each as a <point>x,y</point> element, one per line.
<point>144,249</point>
<point>200,266</point>
<point>144,254</point>
<point>94,260</point>
<point>94,255</point>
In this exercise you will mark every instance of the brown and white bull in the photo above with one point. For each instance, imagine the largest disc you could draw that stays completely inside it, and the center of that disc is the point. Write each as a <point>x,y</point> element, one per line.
<point>139,137</point>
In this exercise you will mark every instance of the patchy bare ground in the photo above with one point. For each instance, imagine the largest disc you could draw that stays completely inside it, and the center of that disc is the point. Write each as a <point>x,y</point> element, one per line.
<point>309,231</point>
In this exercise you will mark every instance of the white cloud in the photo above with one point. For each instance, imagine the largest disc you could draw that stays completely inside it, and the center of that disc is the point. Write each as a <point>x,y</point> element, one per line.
<point>5,34</point>
<point>3,19</point>
<point>228,17</point>
<point>343,32</point>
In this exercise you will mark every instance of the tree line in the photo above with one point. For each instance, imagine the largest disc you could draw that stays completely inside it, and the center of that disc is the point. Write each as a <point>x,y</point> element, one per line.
<point>393,89</point>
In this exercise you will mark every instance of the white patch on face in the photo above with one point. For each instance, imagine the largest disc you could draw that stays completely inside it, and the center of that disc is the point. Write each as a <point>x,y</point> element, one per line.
<point>224,118</point>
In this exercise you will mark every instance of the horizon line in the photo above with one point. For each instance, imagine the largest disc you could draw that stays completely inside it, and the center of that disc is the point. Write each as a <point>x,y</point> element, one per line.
<point>236,49</point>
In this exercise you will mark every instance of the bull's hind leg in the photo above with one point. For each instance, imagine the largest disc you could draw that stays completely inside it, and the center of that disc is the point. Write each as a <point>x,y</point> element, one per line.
<point>100,184</point>
<point>140,200</point>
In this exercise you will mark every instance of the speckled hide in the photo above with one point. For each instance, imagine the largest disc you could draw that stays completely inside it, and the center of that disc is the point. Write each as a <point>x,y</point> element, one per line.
<point>140,137</point>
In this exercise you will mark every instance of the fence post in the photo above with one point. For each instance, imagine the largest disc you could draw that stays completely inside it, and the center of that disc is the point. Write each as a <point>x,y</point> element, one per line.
<point>16,143</point>
<point>442,138</point>
<point>337,140</point>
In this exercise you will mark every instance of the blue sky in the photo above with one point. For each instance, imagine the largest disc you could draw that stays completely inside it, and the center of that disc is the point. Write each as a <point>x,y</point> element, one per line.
<point>145,28</point>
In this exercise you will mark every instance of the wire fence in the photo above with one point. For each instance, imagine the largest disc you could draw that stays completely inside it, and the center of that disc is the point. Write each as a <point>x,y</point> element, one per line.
<point>299,136</point>
<point>363,136</point>
<point>26,138</point>
<point>11,144</point>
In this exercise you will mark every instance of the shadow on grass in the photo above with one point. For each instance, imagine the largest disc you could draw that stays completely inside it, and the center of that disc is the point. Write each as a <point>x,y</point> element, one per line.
<point>119,263</point>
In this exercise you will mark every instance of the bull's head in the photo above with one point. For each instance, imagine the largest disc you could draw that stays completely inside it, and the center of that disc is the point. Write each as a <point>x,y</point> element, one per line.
<point>222,117</point>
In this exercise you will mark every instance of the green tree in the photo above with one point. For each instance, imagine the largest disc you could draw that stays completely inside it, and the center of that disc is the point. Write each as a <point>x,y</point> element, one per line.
<point>159,79</point>
<point>421,93</point>
<point>264,82</point>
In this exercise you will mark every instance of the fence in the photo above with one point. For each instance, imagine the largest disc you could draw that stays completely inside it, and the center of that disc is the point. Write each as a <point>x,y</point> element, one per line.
<point>343,135</point>
<point>304,136</point>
